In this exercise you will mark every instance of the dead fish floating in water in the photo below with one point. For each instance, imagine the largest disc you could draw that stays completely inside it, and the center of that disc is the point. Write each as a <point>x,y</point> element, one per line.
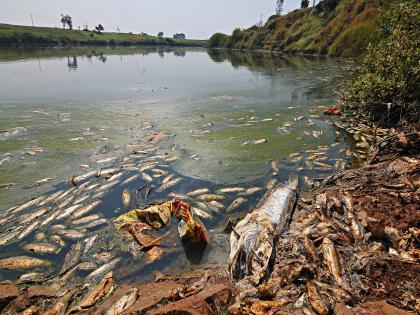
<point>230,190</point>
<point>23,262</point>
<point>126,198</point>
<point>197,192</point>
<point>169,184</point>
<point>251,191</point>
<point>38,183</point>
<point>209,197</point>
<point>236,203</point>
<point>252,238</point>
<point>41,248</point>
<point>255,142</point>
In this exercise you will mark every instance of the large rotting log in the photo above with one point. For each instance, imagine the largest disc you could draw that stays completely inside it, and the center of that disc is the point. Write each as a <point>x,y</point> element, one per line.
<point>253,237</point>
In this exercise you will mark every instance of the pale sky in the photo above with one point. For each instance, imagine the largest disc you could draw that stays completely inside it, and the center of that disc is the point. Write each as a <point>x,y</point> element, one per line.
<point>195,18</point>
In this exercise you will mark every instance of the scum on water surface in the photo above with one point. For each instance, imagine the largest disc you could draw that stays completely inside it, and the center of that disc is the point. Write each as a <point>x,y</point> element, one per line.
<point>123,160</point>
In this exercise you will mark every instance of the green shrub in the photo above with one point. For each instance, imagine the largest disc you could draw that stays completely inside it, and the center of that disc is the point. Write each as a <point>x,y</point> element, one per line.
<point>387,85</point>
<point>218,40</point>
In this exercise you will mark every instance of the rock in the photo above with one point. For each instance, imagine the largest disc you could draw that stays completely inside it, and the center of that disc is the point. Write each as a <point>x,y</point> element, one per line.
<point>43,291</point>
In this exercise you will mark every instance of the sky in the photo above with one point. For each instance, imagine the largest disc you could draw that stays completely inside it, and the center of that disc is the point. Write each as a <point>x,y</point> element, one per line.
<point>195,18</point>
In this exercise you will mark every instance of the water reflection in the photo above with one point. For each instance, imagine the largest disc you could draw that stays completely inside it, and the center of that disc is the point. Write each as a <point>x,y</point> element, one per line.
<point>72,63</point>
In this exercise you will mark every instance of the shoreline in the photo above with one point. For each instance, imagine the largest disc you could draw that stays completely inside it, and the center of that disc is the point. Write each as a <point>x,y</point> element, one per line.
<point>367,233</point>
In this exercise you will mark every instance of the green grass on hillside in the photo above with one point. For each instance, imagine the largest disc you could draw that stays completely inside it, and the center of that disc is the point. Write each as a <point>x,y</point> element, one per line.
<point>16,35</point>
<point>334,27</point>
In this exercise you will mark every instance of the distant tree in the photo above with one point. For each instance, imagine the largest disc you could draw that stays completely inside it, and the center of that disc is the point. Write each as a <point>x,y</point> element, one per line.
<point>160,34</point>
<point>69,22</point>
<point>85,27</point>
<point>279,9</point>
<point>66,20</point>
<point>99,28</point>
<point>63,20</point>
<point>179,36</point>
<point>304,4</point>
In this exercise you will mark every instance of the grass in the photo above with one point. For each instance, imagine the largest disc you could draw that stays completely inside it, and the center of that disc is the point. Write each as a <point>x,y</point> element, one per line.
<point>334,27</point>
<point>16,35</point>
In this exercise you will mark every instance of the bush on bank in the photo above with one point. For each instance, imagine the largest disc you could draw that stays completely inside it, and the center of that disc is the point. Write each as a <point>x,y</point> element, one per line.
<point>387,84</point>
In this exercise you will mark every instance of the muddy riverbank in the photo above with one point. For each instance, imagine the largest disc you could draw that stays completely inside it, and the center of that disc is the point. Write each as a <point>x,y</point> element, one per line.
<point>352,247</point>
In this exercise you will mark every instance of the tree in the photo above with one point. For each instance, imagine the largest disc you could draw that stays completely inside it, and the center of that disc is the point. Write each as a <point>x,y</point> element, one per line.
<point>99,28</point>
<point>279,9</point>
<point>179,36</point>
<point>66,20</point>
<point>69,22</point>
<point>160,34</point>
<point>63,20</point>
<point>304,4</point>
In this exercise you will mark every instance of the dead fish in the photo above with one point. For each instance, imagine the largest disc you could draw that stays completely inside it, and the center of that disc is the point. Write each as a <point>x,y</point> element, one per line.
<point>124,303</point>
<point>89,243</point>
<point>251,191</point>
<point>230,190</point>
<point>38,183</point>
<point>72,257</point>
<point>41,248</point>
<point>209,197</point>
<point>81,199</point>
<point>51,218</point>
<point>57,240</point>
<point>51,198</point>
<point>252,239</point>
<point>106,160</point>
<point>35,215</point>
<point>60,306</point>
<point>197,192</point>
<point>30,277</point>
<point>167,178</point>
<point>28,230</point>
<point>103,289</point>
<point>109,185</point>
<point>66,213</point>
<point>323,165</point>
<point>99,272</point>
<point>179,196</point>
<point>146,177</point>
<point>275,166</point>
<point>82,211</point>
<point>316,299</point>
<point>26,205</point>
<point>130,179</point>
<point>23,262</point>
<point>215,205</point>
<point>87,219</point>
<point>4,239</point>
<point>201,213</point>
<point>71,234</point>
<point>236,203</point>
<point>6,186</point>
<point>332,261</point>
<point>95,223</point>
<point>255,142</point>
<point>271,183</point>
<point>126,198</point>
<point>169,184</point>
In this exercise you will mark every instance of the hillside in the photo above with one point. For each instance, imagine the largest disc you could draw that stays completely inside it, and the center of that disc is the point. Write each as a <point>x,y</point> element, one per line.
<point>16,35</point>
<point>334,27</point>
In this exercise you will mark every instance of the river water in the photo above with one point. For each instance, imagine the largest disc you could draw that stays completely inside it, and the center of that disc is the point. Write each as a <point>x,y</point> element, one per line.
<point>78,106</point>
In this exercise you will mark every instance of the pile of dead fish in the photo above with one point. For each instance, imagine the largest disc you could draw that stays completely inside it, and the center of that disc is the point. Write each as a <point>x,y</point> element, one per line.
<point>355,240</point>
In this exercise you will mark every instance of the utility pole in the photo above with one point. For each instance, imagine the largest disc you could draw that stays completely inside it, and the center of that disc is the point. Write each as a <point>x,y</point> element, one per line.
<point>261,20</point>
<point>32,19</point>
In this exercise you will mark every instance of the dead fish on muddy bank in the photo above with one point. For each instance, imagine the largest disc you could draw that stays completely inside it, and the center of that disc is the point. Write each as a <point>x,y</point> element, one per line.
<point>252,238</point>
<point>255,142</point>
